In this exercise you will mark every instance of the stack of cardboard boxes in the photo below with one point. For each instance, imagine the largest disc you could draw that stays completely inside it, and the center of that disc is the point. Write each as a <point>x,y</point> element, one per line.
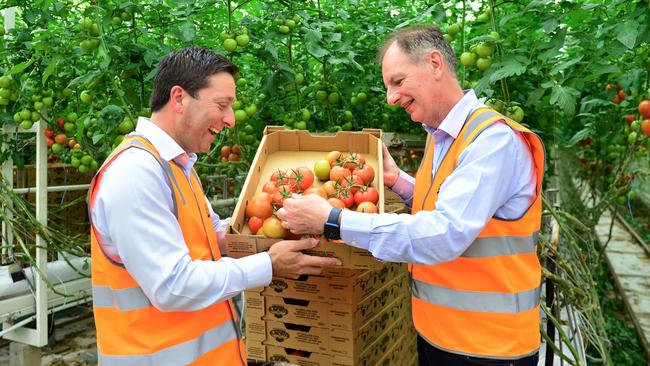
<point>358,314</point>
<point>343,317</point>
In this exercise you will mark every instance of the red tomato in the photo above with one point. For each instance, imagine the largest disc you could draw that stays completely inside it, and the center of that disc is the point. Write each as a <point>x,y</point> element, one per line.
<point>259,205</point>
<point>369,194</point>
<point>616,99</point>
<point>330,188</point>
<point>49,133</point>
<point>352,183</point>
<point>367,207</point>
<point>338,173</point>
<point>270,187</point>
<point>621,94</point>
<point>254,224</point>
<point>301,178</point>
<point>352,161</point>
<point>644,108</point>
<point>630,118</point>
<point>280,177</point>
<point>645,127</point>
<point>49,142</point>
<point>273,228</point>
<point>333,157</point>
<point>335,202</point>
<point>284,191</point>
<point>367,174</point>
<point>346,197</point>
<point>60,122</point>
<point>316,190</point>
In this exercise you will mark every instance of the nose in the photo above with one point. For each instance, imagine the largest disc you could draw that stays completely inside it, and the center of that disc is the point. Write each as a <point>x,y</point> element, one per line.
<point>392,96</point>
<point>229,118</point>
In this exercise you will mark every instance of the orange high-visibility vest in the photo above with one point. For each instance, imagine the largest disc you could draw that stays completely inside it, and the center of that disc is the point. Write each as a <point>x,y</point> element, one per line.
<point>485,303</point>
<point>130,330</point>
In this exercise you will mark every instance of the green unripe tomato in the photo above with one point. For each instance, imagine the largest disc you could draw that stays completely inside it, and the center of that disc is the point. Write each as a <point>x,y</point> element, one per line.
<point>284,29</point>
<point>453,29</point>
<point>240,116</point>
<point>229,45</point>
<point>86,97</point>
<point>333,97</point>
<point>483,63</point>
<point>26,124</point>
<point>290,23</point>
<point>242,40</point>
<point>484,49</point>
<point>468,59</point>
<point>305,115</point>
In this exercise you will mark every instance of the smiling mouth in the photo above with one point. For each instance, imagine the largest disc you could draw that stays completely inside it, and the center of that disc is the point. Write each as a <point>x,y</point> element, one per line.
<point>213,130</point>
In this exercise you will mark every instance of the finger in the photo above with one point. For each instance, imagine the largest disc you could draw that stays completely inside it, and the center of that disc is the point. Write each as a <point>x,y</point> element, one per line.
<point>281,213</point>
<point>316,261</point>
<point>303,244</point>
<point>285,224</point>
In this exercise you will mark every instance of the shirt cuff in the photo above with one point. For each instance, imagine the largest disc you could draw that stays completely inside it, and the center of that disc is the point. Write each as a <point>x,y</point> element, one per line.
<point>355,228</point>
<point>404,186</point>
<point>258,269</point>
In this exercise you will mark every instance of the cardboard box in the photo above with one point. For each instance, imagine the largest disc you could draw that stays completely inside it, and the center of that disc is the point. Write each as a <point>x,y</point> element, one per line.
<point>348,343</point>
<point>331,314</point>
<point>283,149</point>
<point>335,289</point>
<point>255,351</point>
<point>368,356</point>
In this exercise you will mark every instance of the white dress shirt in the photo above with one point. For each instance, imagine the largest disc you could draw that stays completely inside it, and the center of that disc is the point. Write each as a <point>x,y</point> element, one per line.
<point>495,176</point>
<point>133,214</point>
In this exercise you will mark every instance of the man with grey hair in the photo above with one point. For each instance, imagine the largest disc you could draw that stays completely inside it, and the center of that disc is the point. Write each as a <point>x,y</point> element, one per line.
<point>475,210</point>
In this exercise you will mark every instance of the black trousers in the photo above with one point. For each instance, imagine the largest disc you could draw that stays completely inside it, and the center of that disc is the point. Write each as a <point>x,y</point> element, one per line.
<point>429,355</point>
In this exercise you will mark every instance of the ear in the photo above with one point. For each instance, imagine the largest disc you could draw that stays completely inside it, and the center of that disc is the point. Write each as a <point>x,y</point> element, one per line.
<point>436,62</point>
<point>177,98</point>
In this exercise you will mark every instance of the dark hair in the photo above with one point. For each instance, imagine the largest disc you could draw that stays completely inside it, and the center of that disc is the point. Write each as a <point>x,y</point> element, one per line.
<point>188,68</point>
<point>419,40</point>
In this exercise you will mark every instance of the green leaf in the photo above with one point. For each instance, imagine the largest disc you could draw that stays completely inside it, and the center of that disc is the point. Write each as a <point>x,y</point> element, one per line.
<point>627,32</point>
<point>507,68</point>
<point>270,48</point>
<point>584,133</point>
<point>563,65</point>
<point>85,79</point>
<point>49,70</point>
<point>316,50</point>
<point>20,67</point>
<point>565,98</point>
<point>535,96</point>
<point>550,25</point>
<point>187,31</point>
<point>313,35</point>
<point>96,137</point>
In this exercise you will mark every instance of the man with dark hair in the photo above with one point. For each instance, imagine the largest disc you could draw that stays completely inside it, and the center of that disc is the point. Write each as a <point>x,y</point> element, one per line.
<point>161,290</point>
<point>476,208</point>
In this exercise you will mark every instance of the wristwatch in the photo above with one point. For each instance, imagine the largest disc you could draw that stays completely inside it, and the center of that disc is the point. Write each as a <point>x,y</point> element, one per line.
<point>332,229</point>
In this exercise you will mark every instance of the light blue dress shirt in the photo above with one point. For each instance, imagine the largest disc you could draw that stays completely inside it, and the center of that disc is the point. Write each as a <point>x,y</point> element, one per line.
<point>133,214</point>
<point>495,177</point>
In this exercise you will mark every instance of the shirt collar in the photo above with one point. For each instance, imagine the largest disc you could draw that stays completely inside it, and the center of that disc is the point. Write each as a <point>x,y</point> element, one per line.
<point>455,119</point>
<point>164,144</point>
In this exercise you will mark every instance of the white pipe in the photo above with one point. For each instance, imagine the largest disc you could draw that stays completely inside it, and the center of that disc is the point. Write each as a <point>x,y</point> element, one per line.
<point>53,310</point>
<point>76,187</point>
<point>17,325</point>
<point>57,272</point>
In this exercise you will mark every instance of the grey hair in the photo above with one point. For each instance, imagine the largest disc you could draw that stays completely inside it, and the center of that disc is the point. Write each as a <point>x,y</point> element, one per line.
<point>420,40</point>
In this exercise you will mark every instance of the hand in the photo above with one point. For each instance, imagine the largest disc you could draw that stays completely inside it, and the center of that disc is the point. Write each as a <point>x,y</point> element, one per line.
<point>391,171</point>
<point>305,214</point>
<point>288,261</point>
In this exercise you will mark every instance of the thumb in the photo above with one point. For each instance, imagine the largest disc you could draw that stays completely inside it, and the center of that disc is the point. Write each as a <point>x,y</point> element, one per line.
<point>305,244</point>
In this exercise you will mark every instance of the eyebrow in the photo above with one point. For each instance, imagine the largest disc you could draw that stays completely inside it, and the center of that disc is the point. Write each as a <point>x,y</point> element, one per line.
<point>223,99</point>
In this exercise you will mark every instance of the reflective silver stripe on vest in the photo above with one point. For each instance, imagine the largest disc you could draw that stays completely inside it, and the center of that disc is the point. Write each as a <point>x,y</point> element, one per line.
<point>180,354</point>
<point>484,116</point>
<point>500,246</point>
<point>492,302</point>
<point>125,299</point>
